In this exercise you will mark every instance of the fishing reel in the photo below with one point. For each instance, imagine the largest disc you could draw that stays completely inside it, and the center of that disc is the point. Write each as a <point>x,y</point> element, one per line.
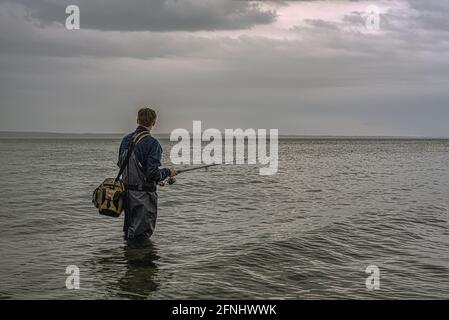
<point>170,181</point>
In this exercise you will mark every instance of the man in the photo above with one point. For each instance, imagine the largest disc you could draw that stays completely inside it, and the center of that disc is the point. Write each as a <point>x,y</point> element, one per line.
<point>141,177</point>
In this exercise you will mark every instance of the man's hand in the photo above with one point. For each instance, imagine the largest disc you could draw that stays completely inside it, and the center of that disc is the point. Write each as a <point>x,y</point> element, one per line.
<point>172,174</point>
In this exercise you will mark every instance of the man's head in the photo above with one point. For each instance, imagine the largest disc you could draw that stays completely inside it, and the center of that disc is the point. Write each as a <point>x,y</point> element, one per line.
<point>146,117</point>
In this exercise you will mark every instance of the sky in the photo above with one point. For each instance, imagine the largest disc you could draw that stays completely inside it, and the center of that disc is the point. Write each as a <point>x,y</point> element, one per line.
<point>303,67</point>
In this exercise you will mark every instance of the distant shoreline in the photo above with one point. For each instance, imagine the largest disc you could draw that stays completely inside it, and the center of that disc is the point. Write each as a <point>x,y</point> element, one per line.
<point>11,135</point>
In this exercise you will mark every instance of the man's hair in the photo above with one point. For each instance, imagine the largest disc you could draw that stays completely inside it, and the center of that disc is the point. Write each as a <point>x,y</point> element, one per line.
<point>146,117</point>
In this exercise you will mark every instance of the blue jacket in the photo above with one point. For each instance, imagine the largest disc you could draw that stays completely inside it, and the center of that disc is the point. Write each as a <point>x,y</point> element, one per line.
<point>148,152</point>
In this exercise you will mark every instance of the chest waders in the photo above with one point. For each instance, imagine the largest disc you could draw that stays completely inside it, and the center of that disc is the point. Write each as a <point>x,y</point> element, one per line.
<point>141,200</point>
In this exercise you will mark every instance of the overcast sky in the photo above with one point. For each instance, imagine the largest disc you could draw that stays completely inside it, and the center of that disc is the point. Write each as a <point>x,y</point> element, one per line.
<point>304,67</point>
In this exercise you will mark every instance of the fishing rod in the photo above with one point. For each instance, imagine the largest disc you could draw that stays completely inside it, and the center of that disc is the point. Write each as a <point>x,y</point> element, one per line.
<point>172,180</point>
<point>196,168</point>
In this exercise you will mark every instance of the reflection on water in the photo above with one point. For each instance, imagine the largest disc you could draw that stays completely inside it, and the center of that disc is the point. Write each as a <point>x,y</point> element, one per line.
<point>139,279</point>
<point>139,262</point>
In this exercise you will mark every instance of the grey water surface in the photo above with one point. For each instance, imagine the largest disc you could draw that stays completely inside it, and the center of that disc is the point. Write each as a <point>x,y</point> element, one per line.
<point>335,207</point>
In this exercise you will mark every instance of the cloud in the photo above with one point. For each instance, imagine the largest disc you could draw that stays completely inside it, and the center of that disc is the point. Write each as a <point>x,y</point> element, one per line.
<point>154,15</point>
<point>430,14</point>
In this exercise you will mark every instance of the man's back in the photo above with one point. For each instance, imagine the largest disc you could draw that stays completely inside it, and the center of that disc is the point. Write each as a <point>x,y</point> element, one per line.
<point>148,151</point>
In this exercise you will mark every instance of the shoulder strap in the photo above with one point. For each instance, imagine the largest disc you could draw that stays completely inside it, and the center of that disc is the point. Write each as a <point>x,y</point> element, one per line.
<point>136,139</point>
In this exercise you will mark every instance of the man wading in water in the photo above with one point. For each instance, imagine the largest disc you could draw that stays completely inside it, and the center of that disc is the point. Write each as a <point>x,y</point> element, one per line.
<point>141,177</point>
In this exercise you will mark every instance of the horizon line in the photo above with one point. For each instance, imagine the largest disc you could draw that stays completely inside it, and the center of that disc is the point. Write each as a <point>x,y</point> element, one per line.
<point>280,135</point>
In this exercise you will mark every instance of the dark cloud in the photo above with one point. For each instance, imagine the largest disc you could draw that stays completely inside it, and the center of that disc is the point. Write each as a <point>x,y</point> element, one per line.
<point>154,15</point>
<point>430,14</point>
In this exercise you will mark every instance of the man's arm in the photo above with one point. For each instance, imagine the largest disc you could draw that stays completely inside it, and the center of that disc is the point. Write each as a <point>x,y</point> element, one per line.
<point>154,173</point>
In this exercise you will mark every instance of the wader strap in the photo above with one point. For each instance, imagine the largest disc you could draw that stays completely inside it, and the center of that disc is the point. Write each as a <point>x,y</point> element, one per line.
<point>136,139</point>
